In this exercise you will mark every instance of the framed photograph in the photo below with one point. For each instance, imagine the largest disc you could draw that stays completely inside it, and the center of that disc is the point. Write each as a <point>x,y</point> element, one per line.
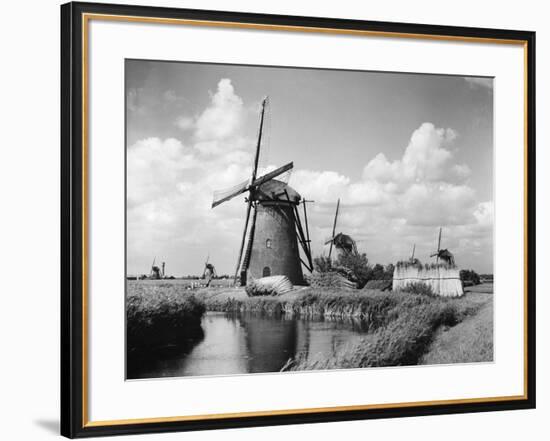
<point>278,220</point>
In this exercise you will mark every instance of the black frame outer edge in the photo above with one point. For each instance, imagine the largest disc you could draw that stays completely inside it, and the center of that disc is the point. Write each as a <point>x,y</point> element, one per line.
<point>71,220</point>
<point>531,212</point>
<point>65,217</point>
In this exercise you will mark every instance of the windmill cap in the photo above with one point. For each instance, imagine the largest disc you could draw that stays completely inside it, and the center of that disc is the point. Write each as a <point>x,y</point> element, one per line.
<point>275,189</point>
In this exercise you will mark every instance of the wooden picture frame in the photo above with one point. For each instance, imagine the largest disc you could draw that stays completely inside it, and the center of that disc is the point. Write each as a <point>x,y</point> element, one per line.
<point>75,80</point>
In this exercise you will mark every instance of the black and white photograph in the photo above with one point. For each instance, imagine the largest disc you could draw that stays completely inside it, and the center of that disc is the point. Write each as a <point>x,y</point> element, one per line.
<point>284,219</point>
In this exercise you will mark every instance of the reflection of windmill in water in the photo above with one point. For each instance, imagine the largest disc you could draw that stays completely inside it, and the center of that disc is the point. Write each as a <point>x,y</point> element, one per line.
<point>273,341</point>
<point>209,272</point>
<point>272,235</point>
<point>444,254</point>
<point>342,242</point>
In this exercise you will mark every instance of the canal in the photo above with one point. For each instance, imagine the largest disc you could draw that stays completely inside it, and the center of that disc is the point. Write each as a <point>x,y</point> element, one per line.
<point>246,343</point>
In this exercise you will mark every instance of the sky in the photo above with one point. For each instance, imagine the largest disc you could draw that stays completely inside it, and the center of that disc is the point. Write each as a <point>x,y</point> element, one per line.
<point>405,153</point>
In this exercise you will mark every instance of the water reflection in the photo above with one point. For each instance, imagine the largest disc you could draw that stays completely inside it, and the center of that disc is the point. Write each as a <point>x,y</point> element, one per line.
<point>246,343</point>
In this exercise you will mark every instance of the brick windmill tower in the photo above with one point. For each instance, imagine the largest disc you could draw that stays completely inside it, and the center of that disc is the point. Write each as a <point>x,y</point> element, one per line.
<point>273,231</point>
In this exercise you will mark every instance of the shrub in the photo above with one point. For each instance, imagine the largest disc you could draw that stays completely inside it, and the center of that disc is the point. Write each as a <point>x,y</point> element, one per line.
<point>379,272</point>
<point>330,279</point>
<point>469,277</point>
<point>358,266</point>
<point>419,288</point>
<point>388,272</point>
<point>322,264</point>
<point>159,315</point>
<point>407,338</point>
<point>354,267</point>
<point>383,285</point>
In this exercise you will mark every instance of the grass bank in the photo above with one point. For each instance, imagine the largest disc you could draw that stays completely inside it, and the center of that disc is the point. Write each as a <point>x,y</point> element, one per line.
<point>409,325</point>
<point>314,303</point>
<point>471,340</point>
<point>160,315</point>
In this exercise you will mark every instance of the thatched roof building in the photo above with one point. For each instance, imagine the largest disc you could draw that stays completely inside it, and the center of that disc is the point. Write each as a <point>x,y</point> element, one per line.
<point>442,278</point>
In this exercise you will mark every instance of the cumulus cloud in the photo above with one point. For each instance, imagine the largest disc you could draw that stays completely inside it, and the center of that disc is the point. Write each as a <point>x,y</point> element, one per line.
<point>185,122</point>
<point>425,158</point>
<point>170,95</point>
<point>425,178</point>
<point>484,214</point>
<point>223,117</point>
<point>402,201</point>
<point>133,101</point>
<point>461,171</point>
<point>394,203</point>
<point>218,128</point>
<point>154,166</point>
<point>325,186</point>
<point>170,184</point>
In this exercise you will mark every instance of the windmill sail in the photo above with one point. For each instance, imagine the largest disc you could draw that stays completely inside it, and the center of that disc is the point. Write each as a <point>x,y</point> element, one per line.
<point>304,240</point>
<point>264,134</point>
<point>221,196</point>
<point>249,243</point>
<point>436,254</point>
<point>258,145</point>
<point>304,202</point>
<point>241,248</point>
<point>334,228</point>
<point>205,266</point>
<point>273,174</point>
<point>252,179</point>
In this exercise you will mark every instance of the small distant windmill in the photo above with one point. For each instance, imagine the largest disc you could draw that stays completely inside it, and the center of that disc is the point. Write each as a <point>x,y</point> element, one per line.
<point>272,238</point>
<point>413,259</point>
<point>156,272</point>
<point>341,242</point>
<point>209,271</point>
<point>443,254</point>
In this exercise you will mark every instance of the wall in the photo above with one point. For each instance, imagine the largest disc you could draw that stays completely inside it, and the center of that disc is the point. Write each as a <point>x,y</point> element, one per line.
<point>29,224</point>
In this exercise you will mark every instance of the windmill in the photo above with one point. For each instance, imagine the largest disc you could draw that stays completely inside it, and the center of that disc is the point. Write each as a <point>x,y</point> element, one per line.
<point>156,271</point>
<point>341,242</point>
<point>413,259</point>
<point>209,271</point>
<point>272,226</point>
<point>443,254</point>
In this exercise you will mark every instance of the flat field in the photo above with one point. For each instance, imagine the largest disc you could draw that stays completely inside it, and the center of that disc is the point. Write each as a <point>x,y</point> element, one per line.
<point>185,283</point>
